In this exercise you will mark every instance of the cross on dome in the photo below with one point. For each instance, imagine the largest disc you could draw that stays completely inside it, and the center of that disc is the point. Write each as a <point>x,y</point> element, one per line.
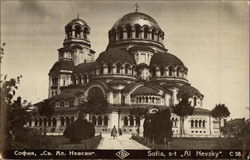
<point>136,7</point>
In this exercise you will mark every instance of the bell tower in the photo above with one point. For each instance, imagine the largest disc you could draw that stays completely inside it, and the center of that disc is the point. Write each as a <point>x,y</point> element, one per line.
<point>76,50</point>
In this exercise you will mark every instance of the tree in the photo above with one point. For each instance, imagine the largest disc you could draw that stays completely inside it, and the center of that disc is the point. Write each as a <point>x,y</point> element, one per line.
<point>219,112</point>
<point>79,130</point>
<point>183,109</point>
<point>95,105</point>
<point>158,126</point>
<point>45,109</point>
<point>139,112</point>
<point>15,115</point>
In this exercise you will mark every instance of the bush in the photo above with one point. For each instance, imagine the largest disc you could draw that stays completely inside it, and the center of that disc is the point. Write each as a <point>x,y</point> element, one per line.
<point>158,126</point>
<point>79,130</point>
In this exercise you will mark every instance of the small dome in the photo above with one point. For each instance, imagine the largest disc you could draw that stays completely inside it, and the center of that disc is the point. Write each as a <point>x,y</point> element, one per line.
<point>166,59</point>
<point>137,18</point>
<point>79,21</point>
<point>85,67</point>
<point>189,91</point>
<point>62,65</point>
<point>116,55</point>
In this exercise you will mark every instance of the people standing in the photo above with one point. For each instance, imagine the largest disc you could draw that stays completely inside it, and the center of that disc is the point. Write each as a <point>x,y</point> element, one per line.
<point>120,131</point>
<point>114,132</point>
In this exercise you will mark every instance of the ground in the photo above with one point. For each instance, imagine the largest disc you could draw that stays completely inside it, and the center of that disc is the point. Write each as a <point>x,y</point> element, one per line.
<point>121,142</point>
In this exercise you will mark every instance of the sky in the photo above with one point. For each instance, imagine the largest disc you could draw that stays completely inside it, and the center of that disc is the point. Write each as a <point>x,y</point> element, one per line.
<point>210,37</point>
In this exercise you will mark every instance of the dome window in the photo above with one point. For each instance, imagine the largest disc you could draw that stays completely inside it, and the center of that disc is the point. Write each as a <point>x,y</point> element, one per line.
<point>162,71</point>
<point>192,123</point>
<point>137,121</point>
<point>77,31</point>
<point>171,70</point>
<point>137,31</point>
<point>110,68</point>
<point>195,101</point>
<point>118,68</point>
<point>178,71</point>
<point>129,31</point>
<point>146,30</point>
<point>85,32</point>
<point>120,33</point>
<point>153,34</point>
<point>127,67</point>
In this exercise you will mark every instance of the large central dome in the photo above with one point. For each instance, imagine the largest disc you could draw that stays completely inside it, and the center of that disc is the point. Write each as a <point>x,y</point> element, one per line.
<point>136,18</point>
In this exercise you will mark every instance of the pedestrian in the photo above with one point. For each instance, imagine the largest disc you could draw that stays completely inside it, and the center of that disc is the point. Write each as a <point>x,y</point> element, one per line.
<point>120,132</point>
<point>114,132</point>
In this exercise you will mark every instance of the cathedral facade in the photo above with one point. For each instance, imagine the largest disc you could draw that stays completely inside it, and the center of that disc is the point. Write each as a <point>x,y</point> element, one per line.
<point>135,71</point>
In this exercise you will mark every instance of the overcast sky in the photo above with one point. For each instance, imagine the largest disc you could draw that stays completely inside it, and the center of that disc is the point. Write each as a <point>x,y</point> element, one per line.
<point>211,38</point>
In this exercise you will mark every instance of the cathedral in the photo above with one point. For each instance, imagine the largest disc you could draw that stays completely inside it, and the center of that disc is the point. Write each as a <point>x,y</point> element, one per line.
<point>134,71</point>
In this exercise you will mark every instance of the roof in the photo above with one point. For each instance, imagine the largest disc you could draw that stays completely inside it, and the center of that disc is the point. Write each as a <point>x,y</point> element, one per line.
<point>116,55</point>
<point>142,65</point>
<point>166,59</point>
<point>145,90</point>
<point>65,95</point>
<point>136,18</point>
<point>189,91</point>
<point>85,67</point>
<point>237,121</point>
<point>201,111</point>
<point>79,21</point>
<point>63,65</point>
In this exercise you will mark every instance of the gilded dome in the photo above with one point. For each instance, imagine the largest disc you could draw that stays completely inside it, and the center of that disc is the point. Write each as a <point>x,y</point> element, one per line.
<point>137,18</point>
<point>77,21</point>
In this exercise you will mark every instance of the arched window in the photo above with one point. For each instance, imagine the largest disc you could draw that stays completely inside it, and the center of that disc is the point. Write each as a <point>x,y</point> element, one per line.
<point>178,71</point>
<point>153,34</point>
<point>85,78</point>
<point>44,121</point>
<point>127,67</point>
<point>129,31</point>
<point>49,121</point>
<point>62,121</point>
<point>196,123</point>
<point>101,70</point>
<point>36,122</point>
<point>40,121</point>
<point>120,31</point>
<point>85,32</point>
<point>176,122</point>
<point>131,120</point>
<point>162,71</point>
<point>204,124</point>
<point>145,32</point>
<point>137,121</point>
<point>137,31</point>
<point>68,31</point>
<point>54,122</point>
<point>133,70</point>
<point>158,35</point>
<point>118,68</point>
<point>192,123</point>
<point>77,31</point>
<point>72,120</point>
<point>110,68</point>
<point>200,123</point>
<point>67,121</point>
<point>105,120</point>
<point>94,120</point>
<point>195,101</point>
<point>99,120</point>
<point>153,72</point>
<point>171,70</point>
<point>125,121</point>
